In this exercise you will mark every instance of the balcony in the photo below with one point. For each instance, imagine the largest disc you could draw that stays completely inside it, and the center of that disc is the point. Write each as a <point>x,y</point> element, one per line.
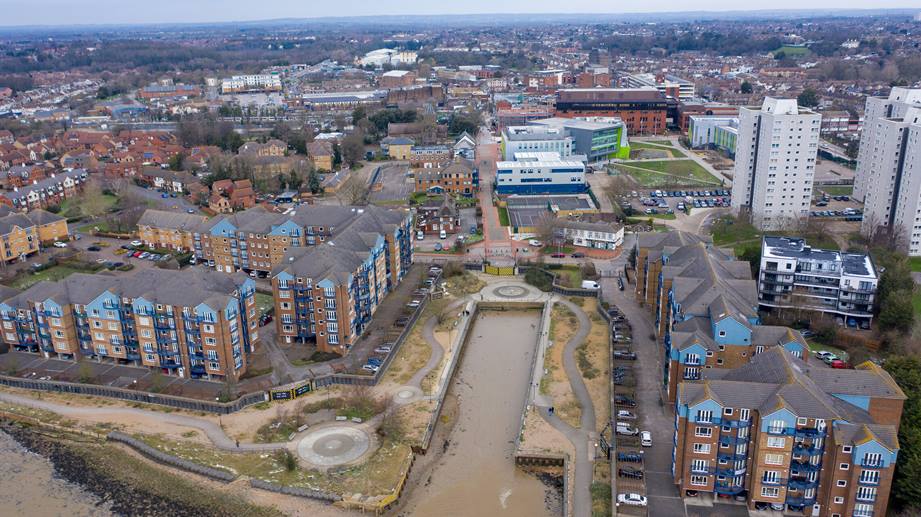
<point>801,449</point>
<point>808,432</point>
<point>727,487</point>
<point>728,456</point>
<point>802,483</point>
<point>799,500</point>
<point>737,424</point>
<point>773,481</point>
<point>715,420</point>
<point>784,431</point>
<point>868,481</point>
<point>872,464</point>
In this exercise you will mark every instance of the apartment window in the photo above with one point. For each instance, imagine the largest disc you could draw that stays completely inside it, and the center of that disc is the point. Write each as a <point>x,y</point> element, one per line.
<point>744,414</point>
<point>767,491</point>
<point>869,477</point>
<point>770,476</point>
<point>863,510</point>
<point>699,480</point>
<point>776,442</point>
<point>866,493</point>
<point>333,339</point>
<point>727,411</point>
<point>802,421</point>
<point>99,335</point>
<point>212,355</point>
<point>210,341</point>
<point>846,449</point>
<point>873,459</point>
<point>844,466</point>
<point>777,426</point>
<point>700,465</point>
<point>839,500</point>
<point>703,432</point>
<point>145,333</point>
<point>701,448</point>
<point>704,415</point>
<point>841,483</point>
<point>773,459</point>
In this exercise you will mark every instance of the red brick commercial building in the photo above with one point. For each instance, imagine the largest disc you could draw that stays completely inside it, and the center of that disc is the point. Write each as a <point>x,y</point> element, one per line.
<point>643,110</point>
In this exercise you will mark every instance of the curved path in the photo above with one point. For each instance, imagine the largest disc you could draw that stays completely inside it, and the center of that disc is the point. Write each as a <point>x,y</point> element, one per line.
<point>322,446</point>
<point>581,438</point>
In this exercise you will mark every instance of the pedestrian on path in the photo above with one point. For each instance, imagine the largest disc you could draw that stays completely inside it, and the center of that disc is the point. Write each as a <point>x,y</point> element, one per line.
<point>238,444</point>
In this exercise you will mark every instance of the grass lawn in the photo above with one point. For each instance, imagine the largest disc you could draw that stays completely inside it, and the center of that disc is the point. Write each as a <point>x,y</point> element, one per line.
<point>569,276</point>
<point>836,190</point>
<point>916,301</point>
<point>728,231</point>
<point>503,215</point>
<point>915,263</point>
<point>53,274</point>
<point>264,302</point>
<point>642,218</point>
<point>657,142</point>
<point>675,153</point>
<point>661,173</point>
<point>74,207</point>
<point>815,347</point>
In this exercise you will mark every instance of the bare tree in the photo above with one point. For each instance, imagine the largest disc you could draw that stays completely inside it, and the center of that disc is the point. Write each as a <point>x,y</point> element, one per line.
<point>548,229</point>
<point>353,191</point>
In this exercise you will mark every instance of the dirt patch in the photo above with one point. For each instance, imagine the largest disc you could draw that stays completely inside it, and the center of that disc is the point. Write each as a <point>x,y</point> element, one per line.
<point>593,360</point>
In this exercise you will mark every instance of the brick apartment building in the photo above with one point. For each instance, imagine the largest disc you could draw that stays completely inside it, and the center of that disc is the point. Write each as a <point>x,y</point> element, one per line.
<point>459,177</point>
<point>807,439</point>
<point>171,230</point>
<point>643,110</point>
<point>50,191</point>
<point>21,235</point>
<point>193,323</point>
<point>328,293</point>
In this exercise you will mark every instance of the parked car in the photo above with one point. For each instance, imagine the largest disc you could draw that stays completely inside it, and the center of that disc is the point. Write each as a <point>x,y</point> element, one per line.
<point>371,368</point>
<point>536,243</point>
<point>631,499</point>
<point>630,457</point>
<point>59,244</point>
<point>646,439</point>
<point>265,319</point>
<point>623,414</point>
<point>383,349</point>
<point>830,358</point>
<point>625,401</point>
<point>401,322</point>
<point>838,364</point>
<point>94,248</point>
<point>690,493</point>
<point>624,355</point>
<point>558,255</point>
<point>578,254</point>
<point>630,472</point>
<point>625,429</point>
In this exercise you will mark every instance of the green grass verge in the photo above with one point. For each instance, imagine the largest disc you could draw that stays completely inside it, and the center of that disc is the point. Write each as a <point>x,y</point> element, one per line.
<point>503,216</point>
<point>674,153</point>
<point>52,274</point>
<point>915,263</point>
<point>661,173</point>
<point>836,190</point>
<point>264,302</point>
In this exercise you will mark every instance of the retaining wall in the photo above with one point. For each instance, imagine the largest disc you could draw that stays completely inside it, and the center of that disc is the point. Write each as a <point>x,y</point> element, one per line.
<point>169,459</point>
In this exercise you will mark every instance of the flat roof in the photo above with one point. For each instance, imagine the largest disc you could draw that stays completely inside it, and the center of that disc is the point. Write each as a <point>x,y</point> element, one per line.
<point>533,164</point>
<point>856,264</point>
<point>526,216</point>
<point>566,202</point>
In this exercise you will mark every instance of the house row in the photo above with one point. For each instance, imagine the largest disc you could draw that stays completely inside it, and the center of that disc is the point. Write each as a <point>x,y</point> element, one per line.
<point>51,191</point>
<point>22,234</point>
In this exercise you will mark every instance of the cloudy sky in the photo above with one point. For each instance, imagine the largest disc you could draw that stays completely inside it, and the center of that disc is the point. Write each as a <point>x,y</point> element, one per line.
<point>65,12</point>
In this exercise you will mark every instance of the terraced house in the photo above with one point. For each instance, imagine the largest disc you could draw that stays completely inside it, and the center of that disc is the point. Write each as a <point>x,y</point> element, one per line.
<point>329,293</point>
<point>194,323</point>
<point>256,240</point>
<point>799,438</point>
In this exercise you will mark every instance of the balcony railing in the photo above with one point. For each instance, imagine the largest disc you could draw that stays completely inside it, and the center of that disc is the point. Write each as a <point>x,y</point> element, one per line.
<point>727,487</point>
<point>773,481</point>
<point>868,481</point>
<point>786,431</point>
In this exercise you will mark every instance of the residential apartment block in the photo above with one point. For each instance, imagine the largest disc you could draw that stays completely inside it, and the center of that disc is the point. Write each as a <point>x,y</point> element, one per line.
<point>667,84</point>
<point>795,276</point>
<point>808,439</point>
<point>251,83</point>
<point>50,191</point>
<point>887,163</point>
<point>21,235</point>
<point>257,239</point>
<point>329,293</point>
<point>775,162</point>
<point>459,177</point>
<point>193,324</point>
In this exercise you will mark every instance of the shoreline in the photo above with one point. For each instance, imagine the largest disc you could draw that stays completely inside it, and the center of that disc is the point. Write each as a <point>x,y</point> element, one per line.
<point>75,463</point>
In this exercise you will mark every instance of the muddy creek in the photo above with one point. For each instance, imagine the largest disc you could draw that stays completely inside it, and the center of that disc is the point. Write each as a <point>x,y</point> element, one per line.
<point>477,475</point>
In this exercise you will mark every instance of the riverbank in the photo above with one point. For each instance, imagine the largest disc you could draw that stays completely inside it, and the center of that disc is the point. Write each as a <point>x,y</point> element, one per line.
<point>126,484</point>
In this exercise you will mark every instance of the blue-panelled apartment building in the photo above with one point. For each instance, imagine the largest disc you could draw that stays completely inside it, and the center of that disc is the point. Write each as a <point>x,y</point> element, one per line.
<point>754,418</point>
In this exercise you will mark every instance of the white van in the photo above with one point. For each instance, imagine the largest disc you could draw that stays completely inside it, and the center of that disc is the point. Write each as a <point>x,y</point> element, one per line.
<point>590,284</point>
<point>442,234</point>
<point>420,235</point>
<point>646,439</point>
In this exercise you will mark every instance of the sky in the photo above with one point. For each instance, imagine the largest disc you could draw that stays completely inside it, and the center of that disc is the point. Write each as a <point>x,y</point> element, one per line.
<point>68,12</point>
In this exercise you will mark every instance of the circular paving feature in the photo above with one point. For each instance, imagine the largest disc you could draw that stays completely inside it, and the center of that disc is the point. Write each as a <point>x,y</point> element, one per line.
<point>335,445</point>
<point>510,291</point>
<point>407,394</point>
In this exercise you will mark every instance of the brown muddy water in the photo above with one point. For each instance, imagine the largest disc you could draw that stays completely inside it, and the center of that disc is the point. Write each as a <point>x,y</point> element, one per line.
<point>29,486</point>
<point>477,474</point>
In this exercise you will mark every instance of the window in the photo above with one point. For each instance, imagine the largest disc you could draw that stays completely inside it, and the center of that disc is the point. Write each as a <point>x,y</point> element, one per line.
<point>777,426</point>
<point>863,510</point>
<point>704,415</point>
<point>773,459</point>
<point>770,476</point>
<point>744,414</point>
<point>727,411</point>
<point>699,465</point>
<point>866,493</point>
<point>699,480</point>
<point>703,432</point>
<point>839,500</point>
<point>869,477</point>
<point>767,491</point>
<point>802,421</point>
<point>873,459</point>
<point>844,466</point>
<point>701,448</point>
<point>846,449</point>
<point>776,442</point>
<point>841,483</point>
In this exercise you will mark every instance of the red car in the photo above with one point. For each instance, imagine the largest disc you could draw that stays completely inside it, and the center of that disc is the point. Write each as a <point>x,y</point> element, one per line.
<point>839,364</point>
<point>558,255</point>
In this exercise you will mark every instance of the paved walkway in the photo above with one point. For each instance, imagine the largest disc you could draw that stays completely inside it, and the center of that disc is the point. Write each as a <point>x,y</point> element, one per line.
<point>582,439</point>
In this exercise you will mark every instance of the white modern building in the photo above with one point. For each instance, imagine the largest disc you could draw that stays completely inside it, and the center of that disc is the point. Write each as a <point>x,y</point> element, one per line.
<point>540,173</point>
<point>388,56</point>
<point>888,179</point>
<point>535,139</point>
<point>251,83</point>
<point>713,132</point>
<point>775,162</point>
<point>601,236</point>
<point>796,276</point>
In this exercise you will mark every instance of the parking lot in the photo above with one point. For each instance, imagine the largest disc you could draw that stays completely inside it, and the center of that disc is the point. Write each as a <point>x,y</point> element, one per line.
<point>831,207</point>
<point>672,201</point>
<point>393,183</point>
<point>641,384</point>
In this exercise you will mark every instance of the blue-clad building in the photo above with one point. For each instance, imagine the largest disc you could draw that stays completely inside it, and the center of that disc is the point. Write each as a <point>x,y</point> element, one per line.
<point>540,173</point>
